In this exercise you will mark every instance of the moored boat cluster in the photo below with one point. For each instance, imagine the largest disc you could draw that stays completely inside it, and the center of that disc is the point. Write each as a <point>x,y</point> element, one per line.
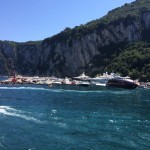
<point>109,80</point>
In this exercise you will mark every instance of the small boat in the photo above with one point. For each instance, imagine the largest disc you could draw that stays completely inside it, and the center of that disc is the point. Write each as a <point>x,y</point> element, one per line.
<point>83,83</point>
<point>122,83</point>
<point>66,81</point>
<point>56,83</point>
<point>82,80</point>
<point>82,77</point>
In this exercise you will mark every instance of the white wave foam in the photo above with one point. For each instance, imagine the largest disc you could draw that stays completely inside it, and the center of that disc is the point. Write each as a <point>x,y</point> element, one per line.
<point>120,92</point>
<point>32,148</point>
<point>54,111</point>
<point>61,90</point>
<point>61,125</point>
<point>81,91</point>
<point>47,89</point>
<point>22,88</point>
<point>6,110</point>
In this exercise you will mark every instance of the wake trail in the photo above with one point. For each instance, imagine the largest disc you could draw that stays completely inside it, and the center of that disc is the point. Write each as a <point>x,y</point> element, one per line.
<point>6,110</point>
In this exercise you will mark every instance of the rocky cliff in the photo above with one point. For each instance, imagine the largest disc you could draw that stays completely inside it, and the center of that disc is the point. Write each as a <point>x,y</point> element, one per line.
<point>89,48</point>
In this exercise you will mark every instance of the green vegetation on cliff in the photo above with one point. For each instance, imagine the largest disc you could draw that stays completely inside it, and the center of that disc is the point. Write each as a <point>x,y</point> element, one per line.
<point>134,61</point>
<point>124,13</point>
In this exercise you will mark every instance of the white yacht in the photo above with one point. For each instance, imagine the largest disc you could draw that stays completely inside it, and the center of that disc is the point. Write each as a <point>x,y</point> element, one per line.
<point>102,80</point>
<point>82,77</point>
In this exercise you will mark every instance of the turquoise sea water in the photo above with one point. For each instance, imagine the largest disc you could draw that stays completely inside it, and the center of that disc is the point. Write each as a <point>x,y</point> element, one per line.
<point>43,118</point>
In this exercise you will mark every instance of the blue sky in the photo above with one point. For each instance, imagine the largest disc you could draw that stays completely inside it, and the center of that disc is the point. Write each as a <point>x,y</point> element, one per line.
<point>30,20</point>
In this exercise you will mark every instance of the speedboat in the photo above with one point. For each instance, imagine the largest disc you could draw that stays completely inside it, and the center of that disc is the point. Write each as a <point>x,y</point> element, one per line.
<point>83,83</point>
<point>82,77</point>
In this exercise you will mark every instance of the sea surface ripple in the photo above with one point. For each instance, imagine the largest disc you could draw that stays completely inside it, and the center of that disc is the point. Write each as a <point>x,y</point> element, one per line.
<point>46,118</point>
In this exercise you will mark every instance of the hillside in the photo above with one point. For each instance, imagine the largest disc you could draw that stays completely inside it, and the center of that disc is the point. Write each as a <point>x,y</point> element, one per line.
<point>118,42</point>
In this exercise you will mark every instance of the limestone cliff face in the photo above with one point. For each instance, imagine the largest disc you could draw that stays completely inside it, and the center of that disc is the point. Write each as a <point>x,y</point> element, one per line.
<point>146,19</point>
<point>60,58</point>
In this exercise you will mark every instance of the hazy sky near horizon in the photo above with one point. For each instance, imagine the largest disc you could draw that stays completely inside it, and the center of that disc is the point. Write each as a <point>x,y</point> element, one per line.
<point>30,20</point>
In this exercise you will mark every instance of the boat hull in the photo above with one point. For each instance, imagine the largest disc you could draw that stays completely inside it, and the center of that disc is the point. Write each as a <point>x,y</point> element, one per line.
<point>121,84</point>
